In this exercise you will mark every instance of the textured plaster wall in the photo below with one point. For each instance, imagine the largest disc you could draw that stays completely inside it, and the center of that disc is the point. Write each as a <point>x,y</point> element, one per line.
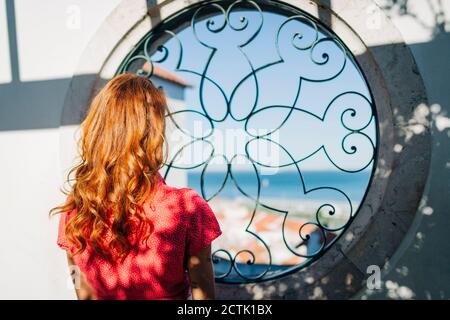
<point>420,268</point>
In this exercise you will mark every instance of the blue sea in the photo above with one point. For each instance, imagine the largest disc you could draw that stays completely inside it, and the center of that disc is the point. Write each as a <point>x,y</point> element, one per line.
<point>285,185</point>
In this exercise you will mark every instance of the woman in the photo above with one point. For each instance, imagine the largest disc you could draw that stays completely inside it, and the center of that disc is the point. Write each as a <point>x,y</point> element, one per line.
<point>128,235</point>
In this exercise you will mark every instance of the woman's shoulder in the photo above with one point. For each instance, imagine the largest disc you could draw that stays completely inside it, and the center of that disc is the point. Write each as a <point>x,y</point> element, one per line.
<point>181,200</point>
<point>182,194</point>
<point>187,197</point>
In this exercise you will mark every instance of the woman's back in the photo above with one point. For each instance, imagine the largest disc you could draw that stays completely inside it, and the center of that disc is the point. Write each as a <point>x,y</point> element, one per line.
<point>183,225</point>
<point>130,234</point>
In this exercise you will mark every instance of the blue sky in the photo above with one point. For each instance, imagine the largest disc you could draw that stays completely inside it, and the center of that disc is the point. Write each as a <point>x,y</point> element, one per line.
<point>278,86</point>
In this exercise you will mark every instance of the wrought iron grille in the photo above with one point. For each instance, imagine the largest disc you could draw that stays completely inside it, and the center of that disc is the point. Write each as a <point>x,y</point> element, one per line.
<point>301,106</point>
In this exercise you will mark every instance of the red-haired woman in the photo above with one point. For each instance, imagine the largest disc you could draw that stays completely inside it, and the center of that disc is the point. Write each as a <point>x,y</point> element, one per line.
<point>129,235</point>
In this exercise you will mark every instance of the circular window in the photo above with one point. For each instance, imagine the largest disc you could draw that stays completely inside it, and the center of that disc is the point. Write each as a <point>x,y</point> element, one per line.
<point>271,120</point>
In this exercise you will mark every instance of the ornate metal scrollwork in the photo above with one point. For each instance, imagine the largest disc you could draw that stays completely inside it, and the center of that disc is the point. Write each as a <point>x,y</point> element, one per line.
<point>341,132</point>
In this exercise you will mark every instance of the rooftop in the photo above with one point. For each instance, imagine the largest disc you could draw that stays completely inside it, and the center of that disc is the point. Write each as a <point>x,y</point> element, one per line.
<point>167,75</point>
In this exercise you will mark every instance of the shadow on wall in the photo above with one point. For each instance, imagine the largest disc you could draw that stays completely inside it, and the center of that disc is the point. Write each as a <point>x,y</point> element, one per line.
<point>28,105</point>
<point>423,270</point>
<point>40,104</point>
<point>403,8</point>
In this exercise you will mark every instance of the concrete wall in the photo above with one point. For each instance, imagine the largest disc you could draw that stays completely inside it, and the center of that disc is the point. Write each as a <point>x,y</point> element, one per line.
<point>37,60</point>
<point>420,268</point>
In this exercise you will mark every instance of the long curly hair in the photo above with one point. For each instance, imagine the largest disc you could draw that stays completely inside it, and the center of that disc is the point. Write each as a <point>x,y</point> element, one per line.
<point>121,150</point>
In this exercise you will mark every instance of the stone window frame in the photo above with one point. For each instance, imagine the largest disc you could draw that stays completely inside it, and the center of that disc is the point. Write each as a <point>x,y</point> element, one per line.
<point>404,152</point>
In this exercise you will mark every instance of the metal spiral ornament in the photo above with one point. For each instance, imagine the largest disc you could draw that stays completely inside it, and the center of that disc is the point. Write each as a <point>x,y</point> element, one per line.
<point>313,55</point>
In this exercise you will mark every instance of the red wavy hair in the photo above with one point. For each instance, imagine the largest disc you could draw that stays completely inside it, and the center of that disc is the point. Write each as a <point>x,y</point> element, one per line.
<point>121,151</point>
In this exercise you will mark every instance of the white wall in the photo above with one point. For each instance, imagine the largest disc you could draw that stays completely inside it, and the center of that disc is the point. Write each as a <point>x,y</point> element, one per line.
<point>49,45</point>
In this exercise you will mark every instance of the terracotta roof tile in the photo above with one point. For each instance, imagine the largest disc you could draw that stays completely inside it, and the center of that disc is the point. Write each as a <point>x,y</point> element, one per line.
<point>165,74</point>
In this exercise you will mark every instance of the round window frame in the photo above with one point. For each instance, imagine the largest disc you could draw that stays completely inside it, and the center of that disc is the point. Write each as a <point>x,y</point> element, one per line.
<point>398,93</point>
<point>181,20</point>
